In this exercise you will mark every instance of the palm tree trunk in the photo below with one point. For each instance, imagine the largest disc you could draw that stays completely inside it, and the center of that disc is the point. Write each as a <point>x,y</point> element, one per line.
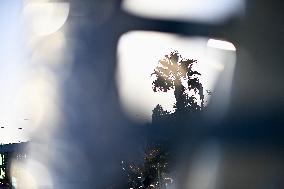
<point>179,95</point>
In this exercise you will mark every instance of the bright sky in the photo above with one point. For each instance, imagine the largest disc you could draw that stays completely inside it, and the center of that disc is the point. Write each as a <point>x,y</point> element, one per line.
<point>30,47</point>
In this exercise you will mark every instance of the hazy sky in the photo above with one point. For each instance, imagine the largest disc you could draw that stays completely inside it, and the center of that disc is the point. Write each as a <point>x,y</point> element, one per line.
<point>31,49</point>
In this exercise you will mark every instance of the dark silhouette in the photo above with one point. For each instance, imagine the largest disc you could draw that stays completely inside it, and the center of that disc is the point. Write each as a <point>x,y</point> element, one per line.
<point>175,72</point>
<point>153,172</point>
<point>172,73</point>
<point>158,113</point>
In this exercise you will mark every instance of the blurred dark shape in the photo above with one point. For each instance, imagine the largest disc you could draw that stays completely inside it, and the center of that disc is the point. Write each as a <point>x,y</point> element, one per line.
<point>5,180</point>
<point>170,73</point>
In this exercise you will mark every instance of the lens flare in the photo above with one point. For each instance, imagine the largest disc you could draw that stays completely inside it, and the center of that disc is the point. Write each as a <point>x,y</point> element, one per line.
<point>45,18</point>
<point>30,174</point>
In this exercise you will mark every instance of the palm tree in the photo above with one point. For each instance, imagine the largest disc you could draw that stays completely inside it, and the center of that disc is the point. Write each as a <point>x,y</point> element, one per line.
<point>175,72</point>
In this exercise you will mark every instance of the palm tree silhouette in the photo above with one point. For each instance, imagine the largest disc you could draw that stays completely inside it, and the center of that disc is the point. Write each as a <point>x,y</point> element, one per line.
<point>175,72</point>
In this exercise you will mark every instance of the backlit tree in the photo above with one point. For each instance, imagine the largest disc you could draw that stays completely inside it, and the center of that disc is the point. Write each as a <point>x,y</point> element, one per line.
<point>176,73</point>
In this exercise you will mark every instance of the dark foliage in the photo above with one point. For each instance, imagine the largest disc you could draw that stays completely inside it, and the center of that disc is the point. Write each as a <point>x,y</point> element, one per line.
<point>153,172</point>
